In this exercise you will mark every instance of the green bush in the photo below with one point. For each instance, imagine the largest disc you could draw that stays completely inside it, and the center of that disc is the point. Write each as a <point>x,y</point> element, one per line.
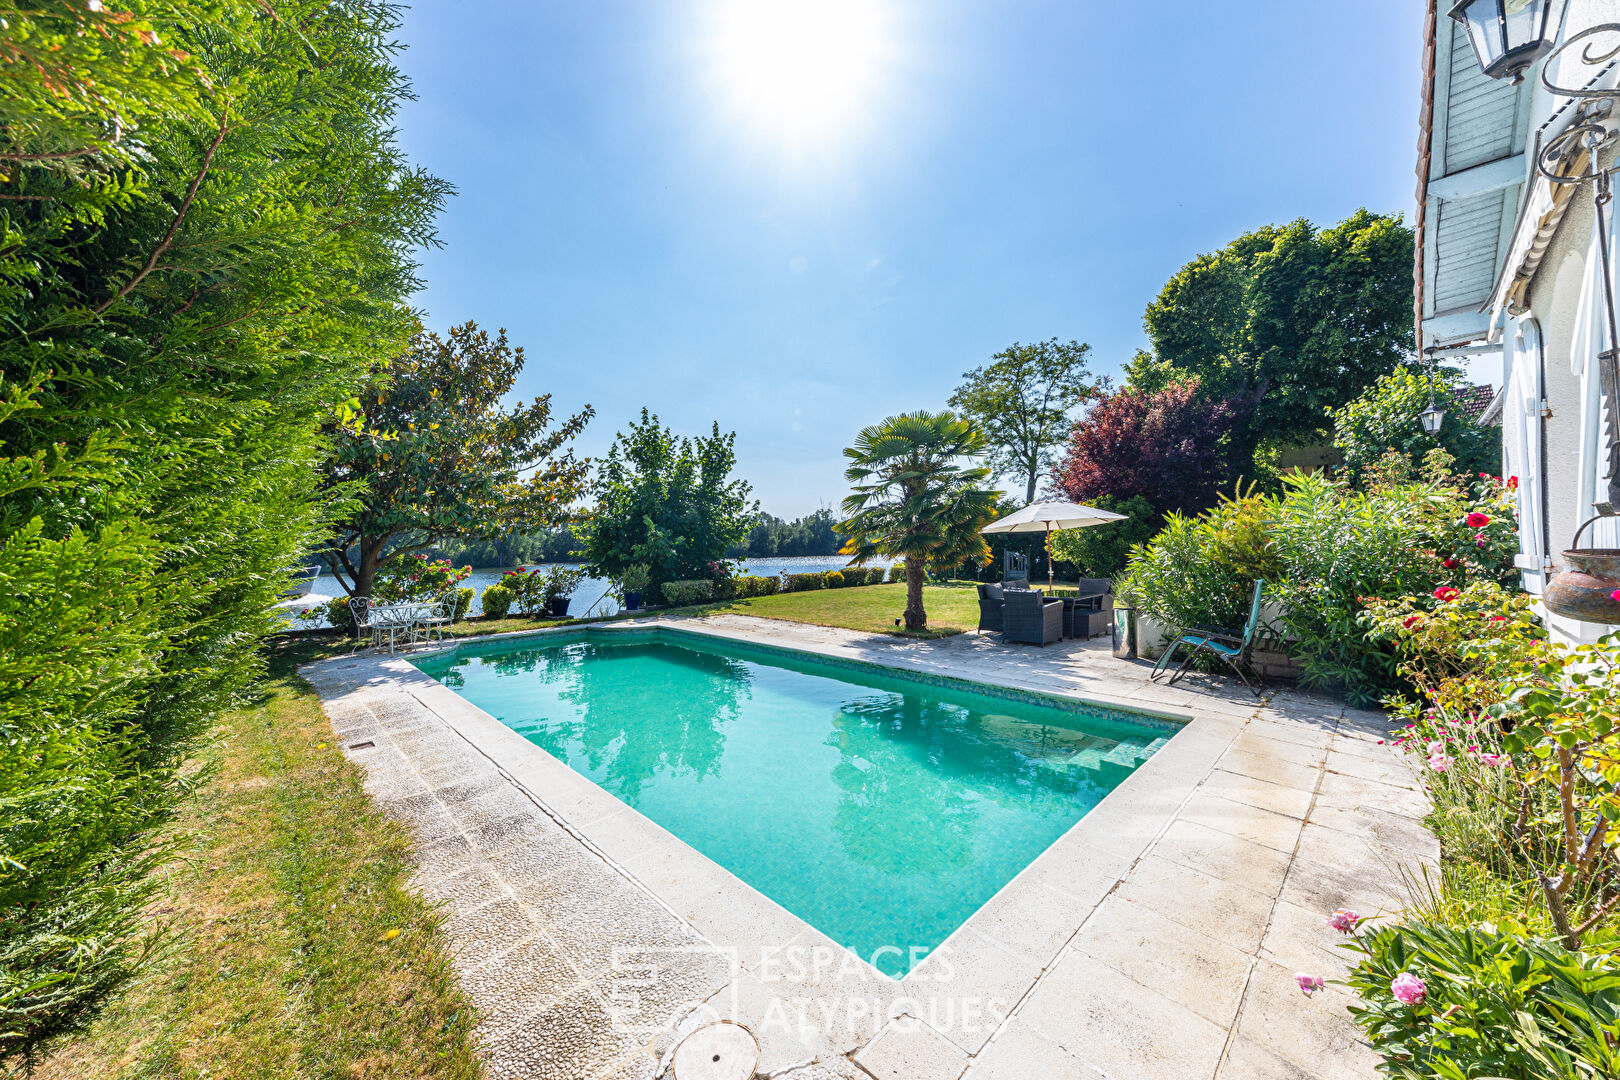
<point>803,582</point>
<point>897,572</point>
<point>1326,550</point>
<point>836,580</point>
<point>497,601</point>
<point>1384,420</point>
<point>686,593</point>
<point>464,599</point>
<point>741,588</point>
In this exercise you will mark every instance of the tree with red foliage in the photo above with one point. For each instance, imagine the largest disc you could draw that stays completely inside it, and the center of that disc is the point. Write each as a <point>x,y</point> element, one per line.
<point>1169,446</point>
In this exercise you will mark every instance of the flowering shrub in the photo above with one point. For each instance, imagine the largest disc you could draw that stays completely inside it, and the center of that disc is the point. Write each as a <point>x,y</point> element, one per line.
<point>1485,1002</point>
<point>1508,969</point>
<point>413,577</point>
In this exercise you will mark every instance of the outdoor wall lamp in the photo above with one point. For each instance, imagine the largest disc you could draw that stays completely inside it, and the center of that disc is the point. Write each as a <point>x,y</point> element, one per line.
<point>1508,35</point>
<point>1433,416</point>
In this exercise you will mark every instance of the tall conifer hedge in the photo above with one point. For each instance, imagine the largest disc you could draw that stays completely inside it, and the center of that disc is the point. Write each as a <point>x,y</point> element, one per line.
<point>206,232</point>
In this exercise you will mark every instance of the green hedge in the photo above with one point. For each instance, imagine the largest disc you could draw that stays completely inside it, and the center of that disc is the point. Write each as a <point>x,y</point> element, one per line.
<point>803,582</point>
<point>686,593</point>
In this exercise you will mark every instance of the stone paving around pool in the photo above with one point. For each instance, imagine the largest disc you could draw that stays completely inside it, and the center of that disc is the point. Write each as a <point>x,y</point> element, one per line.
<point>1157,938</point>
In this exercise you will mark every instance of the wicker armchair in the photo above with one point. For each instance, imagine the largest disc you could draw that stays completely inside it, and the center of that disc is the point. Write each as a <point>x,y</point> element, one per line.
<point>1028,616</point>
<point>990,604</point>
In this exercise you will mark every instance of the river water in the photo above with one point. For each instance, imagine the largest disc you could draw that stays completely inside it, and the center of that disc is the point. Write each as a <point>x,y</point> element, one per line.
<point>590,598</point>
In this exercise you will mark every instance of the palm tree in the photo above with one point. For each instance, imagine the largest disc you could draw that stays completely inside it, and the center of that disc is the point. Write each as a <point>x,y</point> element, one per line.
<point>917,496</point>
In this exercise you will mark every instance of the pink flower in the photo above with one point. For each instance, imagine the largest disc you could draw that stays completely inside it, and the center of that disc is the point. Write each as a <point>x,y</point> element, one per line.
<point>1497,760</point>
<point>1615,596</point>
<point>1309,984</point>
<point>1504,618</point>
<point>1439,762</point>
<point>1408,989</point>
<point>1344,921</point>
<point>1477,520</point>
<point>1445,594</point>
<point>1436,746</point>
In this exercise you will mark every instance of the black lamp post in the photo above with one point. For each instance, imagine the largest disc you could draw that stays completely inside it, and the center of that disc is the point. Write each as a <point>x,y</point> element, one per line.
<point>1509,35</point>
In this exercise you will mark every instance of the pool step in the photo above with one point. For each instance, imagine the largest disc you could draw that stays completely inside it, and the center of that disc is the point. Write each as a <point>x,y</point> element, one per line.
<point>1125,755</point>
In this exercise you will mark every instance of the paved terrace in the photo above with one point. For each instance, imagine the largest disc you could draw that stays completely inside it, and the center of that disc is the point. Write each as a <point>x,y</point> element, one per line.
<point>1158,938</point>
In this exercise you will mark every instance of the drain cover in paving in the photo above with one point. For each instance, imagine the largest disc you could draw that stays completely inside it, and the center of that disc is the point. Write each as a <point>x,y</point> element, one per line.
<point>722,1051</point>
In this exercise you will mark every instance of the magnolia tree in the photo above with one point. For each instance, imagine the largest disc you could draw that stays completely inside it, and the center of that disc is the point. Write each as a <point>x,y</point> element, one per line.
<point>435,454</point>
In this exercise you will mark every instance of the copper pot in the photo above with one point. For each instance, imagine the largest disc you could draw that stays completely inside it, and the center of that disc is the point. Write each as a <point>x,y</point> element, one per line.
<point>1585,591</point>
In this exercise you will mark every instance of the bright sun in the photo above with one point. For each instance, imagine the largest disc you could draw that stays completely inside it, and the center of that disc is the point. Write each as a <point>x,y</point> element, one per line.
<point>800,68</point>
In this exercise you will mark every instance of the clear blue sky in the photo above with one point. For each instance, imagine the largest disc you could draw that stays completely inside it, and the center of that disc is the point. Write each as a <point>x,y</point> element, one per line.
<point>797,224</point>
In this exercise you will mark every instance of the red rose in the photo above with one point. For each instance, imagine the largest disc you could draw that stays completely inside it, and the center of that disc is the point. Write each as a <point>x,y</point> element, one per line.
<point>1445,594</point>
<point>1449,563</point>
<point>1513,483</point>
<point>1409,622</point>
<point>1477,520</point>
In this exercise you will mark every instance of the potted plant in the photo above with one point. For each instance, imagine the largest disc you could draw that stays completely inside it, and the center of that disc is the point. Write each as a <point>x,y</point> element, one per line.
<point>560,582</point>
<point>632,583</point>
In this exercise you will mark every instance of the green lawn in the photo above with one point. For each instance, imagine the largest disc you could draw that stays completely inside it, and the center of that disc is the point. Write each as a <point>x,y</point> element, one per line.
<point>297,950</point>
<point>952,608</point>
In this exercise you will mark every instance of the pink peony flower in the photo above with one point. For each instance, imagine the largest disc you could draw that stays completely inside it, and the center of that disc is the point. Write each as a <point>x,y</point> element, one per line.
<point>1445,594</point>
<point>1344,921</point>
<point>1439,762</point>
<point>1408,989</point>
<point>1309,984</point>
<point>1477,520</point>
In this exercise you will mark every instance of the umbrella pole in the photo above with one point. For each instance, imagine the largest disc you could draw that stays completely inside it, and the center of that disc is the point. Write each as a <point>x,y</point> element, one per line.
<point>1046,546</point>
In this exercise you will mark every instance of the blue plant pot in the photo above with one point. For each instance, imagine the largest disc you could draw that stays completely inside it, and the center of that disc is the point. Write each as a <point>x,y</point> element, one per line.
<point>632,601</point>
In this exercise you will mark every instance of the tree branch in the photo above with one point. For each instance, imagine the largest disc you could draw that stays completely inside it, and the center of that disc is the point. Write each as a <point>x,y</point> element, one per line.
<point>179,216</point>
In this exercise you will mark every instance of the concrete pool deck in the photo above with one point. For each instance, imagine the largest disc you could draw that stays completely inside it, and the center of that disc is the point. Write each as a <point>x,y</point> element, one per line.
<point>1158,937</point>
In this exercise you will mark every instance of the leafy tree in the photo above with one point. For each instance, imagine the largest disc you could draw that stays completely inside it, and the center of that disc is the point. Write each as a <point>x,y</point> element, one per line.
<point>1022,401</point>
<point>1385,419</point>
<point>666,502</point>
<point>812,534</point>
<point>440,456</point>
<point>1101,551</point>
<point>1289,320</point>
<point>207,230</point>
<point>917,496</point>
<point>1168,446</point>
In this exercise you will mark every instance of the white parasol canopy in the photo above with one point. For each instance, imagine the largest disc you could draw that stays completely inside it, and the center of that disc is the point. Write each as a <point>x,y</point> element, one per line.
<point>1043,517</point>
<point>1047,516</point>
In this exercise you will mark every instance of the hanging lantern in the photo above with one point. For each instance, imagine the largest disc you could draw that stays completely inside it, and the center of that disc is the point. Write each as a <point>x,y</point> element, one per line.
<point>1432,418</point>
<point>1509,35</point>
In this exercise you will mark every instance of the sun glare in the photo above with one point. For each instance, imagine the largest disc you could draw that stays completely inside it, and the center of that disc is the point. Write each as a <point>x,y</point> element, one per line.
<point>802,69</point>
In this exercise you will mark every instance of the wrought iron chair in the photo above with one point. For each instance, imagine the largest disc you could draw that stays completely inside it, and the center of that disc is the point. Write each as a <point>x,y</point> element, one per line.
<point>360,612</point>
<point>1231,647</point>
<point>1014,570</point>
<point>433,618</point>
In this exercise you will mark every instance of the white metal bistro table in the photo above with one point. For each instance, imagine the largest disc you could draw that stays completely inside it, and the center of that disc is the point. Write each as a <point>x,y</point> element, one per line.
<point>396,619</point>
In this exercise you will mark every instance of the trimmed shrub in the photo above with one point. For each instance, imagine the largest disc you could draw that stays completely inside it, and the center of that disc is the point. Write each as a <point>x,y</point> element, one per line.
<point>497,601</point>
<point>897,572</point>
<point>464,599</point>
<point>744,587</point>
<point>803,582</point>
<point>876,575</point>
<point>686,593</point>
<point>835,580</point>
<point>339,615</point>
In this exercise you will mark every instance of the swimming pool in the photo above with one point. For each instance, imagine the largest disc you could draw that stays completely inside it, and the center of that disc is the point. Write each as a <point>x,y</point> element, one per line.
<point>882,809</point>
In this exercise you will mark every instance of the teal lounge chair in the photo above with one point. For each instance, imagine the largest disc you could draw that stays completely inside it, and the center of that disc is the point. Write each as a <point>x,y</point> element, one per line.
<point>1233,648</point>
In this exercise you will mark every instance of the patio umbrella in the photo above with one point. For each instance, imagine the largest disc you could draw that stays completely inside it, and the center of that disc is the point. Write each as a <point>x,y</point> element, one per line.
<point>1043,517</point>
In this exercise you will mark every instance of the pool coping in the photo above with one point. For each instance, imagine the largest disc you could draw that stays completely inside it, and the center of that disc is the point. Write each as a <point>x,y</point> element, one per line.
<point>1002,948</point>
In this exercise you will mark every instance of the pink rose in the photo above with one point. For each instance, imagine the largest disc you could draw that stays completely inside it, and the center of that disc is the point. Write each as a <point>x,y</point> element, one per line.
<point>1477,520</point>
<point>1439,762</point>
<point>1615,596</point>
<point>1408,989</point>
<point>1309,984</point>
<point>1344,921</point>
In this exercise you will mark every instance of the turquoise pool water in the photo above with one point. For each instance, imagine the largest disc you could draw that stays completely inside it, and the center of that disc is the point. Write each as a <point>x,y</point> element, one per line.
<point>882,811</point>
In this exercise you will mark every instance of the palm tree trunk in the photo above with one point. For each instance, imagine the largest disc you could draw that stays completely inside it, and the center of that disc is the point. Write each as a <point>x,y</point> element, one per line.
<point>916,617</point>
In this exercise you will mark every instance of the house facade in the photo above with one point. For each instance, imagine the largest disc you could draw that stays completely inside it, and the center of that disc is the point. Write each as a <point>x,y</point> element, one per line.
<point>1509,268</point>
